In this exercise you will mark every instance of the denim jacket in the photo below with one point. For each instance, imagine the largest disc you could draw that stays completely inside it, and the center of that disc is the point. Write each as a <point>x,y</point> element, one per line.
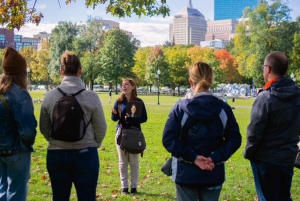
<point>17,125</point>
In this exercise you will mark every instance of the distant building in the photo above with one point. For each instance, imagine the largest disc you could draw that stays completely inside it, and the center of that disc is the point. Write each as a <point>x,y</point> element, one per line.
<point>232,9</point>
<point>188,27</point>
<point>221,29</point>
<point>6,38</point>
<point>108,24</point>
<point>216,44</point>
<point>42,36</point>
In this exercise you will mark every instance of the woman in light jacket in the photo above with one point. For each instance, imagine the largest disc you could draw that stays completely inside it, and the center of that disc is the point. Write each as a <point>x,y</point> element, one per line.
<point>74,162</point>
<point>17,127</point>
<point>208,138</point>
<point>129,94</point>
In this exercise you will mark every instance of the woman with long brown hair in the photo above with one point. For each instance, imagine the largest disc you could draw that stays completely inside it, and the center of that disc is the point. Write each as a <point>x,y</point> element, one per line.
<point>129,94</point>
<point>17,127</point>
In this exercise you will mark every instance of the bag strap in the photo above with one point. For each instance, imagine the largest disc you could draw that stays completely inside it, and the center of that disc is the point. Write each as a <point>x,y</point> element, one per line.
<point>64,93</point>
<point>5,103</point>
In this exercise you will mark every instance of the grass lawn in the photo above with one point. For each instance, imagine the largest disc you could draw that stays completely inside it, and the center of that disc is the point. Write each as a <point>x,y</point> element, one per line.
<point>153,184</point>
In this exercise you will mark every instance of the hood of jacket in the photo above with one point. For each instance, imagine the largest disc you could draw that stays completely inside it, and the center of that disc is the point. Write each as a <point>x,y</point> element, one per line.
<point>203,106</point>
<point>284,89</point>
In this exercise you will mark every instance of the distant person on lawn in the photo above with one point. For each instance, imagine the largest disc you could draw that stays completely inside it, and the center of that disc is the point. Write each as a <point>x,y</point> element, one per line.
<point>17,127</point>
<point>273,132</point>
<point>74,162</point>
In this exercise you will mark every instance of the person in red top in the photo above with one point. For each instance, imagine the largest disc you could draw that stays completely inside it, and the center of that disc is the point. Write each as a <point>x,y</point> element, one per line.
<point>273,132</point>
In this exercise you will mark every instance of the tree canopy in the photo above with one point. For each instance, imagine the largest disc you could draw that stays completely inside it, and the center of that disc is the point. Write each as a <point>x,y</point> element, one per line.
<point>14,14</point>
<point>266,28</point>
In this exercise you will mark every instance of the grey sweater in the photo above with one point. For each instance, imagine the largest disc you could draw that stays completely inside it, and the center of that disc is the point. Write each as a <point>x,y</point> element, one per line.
<point>91,106</point>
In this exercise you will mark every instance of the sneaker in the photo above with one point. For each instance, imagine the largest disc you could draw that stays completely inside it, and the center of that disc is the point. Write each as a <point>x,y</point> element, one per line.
<point>124,191</point>
<point>133,191</point>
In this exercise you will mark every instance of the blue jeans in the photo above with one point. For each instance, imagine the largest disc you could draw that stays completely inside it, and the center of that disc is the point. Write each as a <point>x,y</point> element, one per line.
<point>14,176</point>
<point>272,182</point>
<point>80,167</point>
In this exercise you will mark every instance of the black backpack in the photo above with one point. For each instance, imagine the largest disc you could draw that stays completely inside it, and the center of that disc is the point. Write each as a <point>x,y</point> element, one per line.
<point>68,118</point>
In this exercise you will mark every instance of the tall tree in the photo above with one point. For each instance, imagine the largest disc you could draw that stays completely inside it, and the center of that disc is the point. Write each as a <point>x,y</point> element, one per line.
<point>206,55</point>
<point>1,55</point>
<point>178,62</point>
<point>261,34</point>
<point>61,39</point>
<point>87,45</point>
<point>116,56</point>
<point>156,61</point>
<point>228,67</point>
<point>39,69</point>
<point>14,14</point>
<point>139,68</point>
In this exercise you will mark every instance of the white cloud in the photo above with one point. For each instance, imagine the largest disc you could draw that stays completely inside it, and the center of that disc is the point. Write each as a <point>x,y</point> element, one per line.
<point>30,29</point>
<point>40,6</point>
<point>149,34</point>
<point>167,19</point>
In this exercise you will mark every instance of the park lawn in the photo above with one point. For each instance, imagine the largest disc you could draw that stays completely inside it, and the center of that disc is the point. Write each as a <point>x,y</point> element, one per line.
<point>153,184</point>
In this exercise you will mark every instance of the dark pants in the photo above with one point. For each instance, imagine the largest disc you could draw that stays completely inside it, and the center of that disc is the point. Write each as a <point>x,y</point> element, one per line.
<point>198,194</point>
<point>80,167</point>
<point>272,182</point>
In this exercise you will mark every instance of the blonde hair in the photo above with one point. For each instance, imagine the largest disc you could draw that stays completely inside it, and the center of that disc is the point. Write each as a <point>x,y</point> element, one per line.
<point>6,81</point>
<point>70,63</point>
<point>201,75</point>
<point>133,96</point>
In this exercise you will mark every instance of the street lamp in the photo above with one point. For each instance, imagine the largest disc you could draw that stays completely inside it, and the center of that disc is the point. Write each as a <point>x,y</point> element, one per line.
<point>157,76</point>
<point>29,77</point>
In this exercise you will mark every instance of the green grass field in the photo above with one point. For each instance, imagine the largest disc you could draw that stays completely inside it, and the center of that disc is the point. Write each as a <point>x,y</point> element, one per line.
<point>153,184</point>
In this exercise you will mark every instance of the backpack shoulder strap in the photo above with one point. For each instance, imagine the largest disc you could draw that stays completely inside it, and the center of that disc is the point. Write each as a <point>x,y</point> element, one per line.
<point>61,91</point>
<point>5,103</point>
<point>81,90</point>
<point>64,93</point>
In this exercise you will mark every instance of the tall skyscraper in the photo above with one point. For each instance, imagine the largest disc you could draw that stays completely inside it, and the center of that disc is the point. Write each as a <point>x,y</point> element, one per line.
<point>232,9</point>
<point>189,26</point>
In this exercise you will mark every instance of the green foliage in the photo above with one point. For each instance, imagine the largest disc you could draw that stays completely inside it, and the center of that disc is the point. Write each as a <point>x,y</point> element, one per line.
<point>14,14</point>
<point>139,69</point>
<point>87,46</point>
<point>1,55</point>
<point>61,39</point>
<point>116,56</point>
<point>156,61</point>
<point>178,61</point>
<point>295,55</point>
<point>266,29</point>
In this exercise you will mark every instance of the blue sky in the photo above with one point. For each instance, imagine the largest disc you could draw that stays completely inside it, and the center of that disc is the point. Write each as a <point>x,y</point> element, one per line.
<point>150,31</point>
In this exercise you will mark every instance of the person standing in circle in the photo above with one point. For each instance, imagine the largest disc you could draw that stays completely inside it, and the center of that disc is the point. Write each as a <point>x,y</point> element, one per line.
<point>129,94</point>
<point>17,127</point>
<point>201,146</point>
<point>74,162</point>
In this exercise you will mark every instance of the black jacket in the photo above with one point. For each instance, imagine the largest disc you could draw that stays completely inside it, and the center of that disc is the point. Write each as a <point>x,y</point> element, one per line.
<point>210,141</point>
<point>273,132</point>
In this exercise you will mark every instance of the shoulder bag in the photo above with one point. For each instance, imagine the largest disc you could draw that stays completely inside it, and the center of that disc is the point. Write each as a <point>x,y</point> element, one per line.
<point>131,140</point>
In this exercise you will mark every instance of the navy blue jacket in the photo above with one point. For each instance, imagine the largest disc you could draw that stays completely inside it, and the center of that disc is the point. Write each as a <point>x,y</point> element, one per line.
<point>130,121</point>
<point>212,140</point>
<point>273,132</point>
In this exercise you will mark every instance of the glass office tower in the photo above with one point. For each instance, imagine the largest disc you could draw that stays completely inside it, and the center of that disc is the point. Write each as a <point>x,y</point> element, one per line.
<point>232,9</point>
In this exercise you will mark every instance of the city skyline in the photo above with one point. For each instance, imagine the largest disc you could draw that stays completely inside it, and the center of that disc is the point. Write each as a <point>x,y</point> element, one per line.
<point>149,30</point>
